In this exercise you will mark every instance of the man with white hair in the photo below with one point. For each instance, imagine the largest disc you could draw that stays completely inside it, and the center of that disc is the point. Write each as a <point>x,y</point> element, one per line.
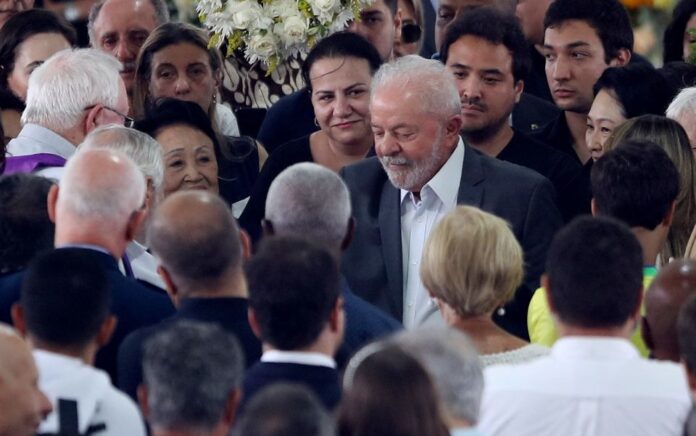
<point>416,120</point>
<point>147,155</point>
<point>456,370</point>
<point>71,94</point>
<point>311,201</point>
<point>98,208</point>
<point>683,110</point>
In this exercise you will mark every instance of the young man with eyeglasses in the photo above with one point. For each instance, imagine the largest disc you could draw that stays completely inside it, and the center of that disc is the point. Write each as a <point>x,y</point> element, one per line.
<point>71,94</point>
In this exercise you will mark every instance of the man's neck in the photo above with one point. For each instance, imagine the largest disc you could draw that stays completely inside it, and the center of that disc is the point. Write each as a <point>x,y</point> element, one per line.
<point>651,241</point>
<point>232,284</point>
<point>577,124</point>
<point>490,144</point>
<point>623,332</point>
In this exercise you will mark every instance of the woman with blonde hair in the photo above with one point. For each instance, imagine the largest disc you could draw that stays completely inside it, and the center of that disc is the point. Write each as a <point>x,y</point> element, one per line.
<point>472,264</point>
<point>672,138</point>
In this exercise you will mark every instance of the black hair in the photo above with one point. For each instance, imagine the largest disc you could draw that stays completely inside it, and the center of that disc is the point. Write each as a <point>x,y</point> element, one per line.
<point>65,297</point>
<point>679,75</point>
<point>639,87</point>
<point>595,272</point>
<point>607,17</point>
<point>10,101</point>
<point>673,41</point>
<point>686,333</point>
<point>25,228</point>
<point>341,45</point>
<point>293,287</point>
<point>495,27</point>
<point>23,26</point>
<point>285,409</point>
<point>636,183</point>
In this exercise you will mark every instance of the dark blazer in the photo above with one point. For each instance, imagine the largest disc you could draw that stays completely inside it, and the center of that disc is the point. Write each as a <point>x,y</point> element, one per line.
<point>230,313</point>
<point>321,380</point>
<point>373,262</point>
<point>133,304</point>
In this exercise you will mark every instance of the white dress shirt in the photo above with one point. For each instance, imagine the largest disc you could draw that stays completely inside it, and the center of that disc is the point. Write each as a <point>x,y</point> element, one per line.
<point>34,139</point>
<point>418,218</point>
<point>299,357</point>
<point>587,386</point>
<point>144,264</point>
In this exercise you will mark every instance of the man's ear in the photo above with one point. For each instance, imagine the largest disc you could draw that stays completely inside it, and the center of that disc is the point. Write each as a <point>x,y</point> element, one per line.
<point>593,207</point>
<point>623,56</point>
<point>51,201</point>
<point>106,331</point>
<point>245,240</point>
<point>397,25</point>
<point>519,89</point>
<point>254,323</point>
<point>453,127</point>
<point>142,400</point>
<point>230,413</point>
<point>171,288</point>
<point>91,120</point>
<point>17,314</point>
<point>136,220</point>
<point>669,216</point>
<point>646,333</point>
<point>350,231</point>
<point>267,227</point>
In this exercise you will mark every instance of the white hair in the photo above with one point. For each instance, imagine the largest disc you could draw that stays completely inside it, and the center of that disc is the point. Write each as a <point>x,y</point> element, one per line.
<point>68,83</point>
<point>453,364</point>
<point>309,200</point>
<point>101,185</point>
<point>435,86</point>
<point>139,146</point>
<point>684,102</point>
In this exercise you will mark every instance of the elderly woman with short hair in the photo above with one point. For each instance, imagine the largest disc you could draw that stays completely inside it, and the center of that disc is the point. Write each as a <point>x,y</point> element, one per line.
<point>472,264</point>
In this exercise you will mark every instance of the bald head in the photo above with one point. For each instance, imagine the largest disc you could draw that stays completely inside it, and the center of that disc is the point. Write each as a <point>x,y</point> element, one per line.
<point>675,283</point>
<point>197,240</point>
<point>23,405</point>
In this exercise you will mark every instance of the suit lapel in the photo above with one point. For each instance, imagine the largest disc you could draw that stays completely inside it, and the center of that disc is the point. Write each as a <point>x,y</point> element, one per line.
<point>470,185</point>
<point>390,234</point>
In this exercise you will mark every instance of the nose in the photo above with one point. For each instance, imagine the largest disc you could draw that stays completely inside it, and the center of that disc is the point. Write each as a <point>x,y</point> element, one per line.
<point>470,88</point>
<point>123,52</point>
<point>342,107</point>
<point>386,145</point>
<point>191,174</point>
<point>594,141</point>
<point>182,85</point>
<point>560,69</point>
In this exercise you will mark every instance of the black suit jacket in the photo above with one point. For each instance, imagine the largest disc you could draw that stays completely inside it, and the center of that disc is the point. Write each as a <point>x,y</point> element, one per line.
<point>228,312</point>
<point>133,304</point>
<point>373,262</point>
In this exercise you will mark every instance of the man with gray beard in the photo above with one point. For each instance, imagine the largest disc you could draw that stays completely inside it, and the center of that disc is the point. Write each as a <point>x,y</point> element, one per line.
<point>416,121</point>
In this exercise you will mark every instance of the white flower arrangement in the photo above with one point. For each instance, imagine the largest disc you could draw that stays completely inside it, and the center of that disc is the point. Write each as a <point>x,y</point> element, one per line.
<point>270,31</point>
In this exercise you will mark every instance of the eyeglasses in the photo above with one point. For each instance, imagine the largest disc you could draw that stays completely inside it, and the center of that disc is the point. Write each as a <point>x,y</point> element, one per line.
<point>127,121</point>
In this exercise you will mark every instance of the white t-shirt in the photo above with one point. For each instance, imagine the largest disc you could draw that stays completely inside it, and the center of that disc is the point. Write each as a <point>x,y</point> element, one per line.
<point>77,389</point>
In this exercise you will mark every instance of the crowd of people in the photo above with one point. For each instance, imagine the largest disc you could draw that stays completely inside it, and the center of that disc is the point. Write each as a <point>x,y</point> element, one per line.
<point>474,217</point>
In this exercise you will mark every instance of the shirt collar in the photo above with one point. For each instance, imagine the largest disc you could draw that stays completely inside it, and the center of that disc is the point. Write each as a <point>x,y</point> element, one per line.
<point>50,140</point>
<point>300,357</point>
<point>445,184</point>
<point>593,348</point>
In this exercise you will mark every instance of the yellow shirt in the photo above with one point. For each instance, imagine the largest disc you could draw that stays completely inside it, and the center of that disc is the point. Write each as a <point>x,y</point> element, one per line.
<point>542,329</point>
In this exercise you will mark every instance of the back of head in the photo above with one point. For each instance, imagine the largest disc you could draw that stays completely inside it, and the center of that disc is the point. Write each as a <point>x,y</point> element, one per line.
<point>68,83</point>
<point>293,288</point>
<point>636,183</point>
<point>100,186</point>
<point>472,261</point>
<point>497,28</point>
<point>341,45</point>
<point>65,298</point>
<point>190,369</point>
<point>683,104</point>
<point>595,273</point>
<point>311,201</point>
<point>607,17</point>
<point>673,41</point>
<point>283,409</point>
<point>378,401</point>
<point>197,240</point>
<point>668,292</point>
<point>140,147</point>
<point>454,366</point>
<point>426,79</point>
<point>25,228</point>
<point>686,333</point>
<point>639,88</point>
<point>23,26</point>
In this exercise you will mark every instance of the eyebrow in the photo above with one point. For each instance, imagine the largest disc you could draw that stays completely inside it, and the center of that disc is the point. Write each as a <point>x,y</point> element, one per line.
<point>348,88</point>
<point>495,71</point>
<point>599,120</point>
<point>574,44</point>
<point>370,14</point>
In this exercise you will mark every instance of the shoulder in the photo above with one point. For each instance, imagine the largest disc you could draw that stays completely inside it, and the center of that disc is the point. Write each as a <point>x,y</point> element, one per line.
<point>365,173</point>
<point>501,172</point>
<point>121,413</point>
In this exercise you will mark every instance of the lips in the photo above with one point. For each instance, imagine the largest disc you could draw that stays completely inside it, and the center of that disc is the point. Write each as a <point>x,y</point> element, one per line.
<point>563,92</point>
<point>345,124</point>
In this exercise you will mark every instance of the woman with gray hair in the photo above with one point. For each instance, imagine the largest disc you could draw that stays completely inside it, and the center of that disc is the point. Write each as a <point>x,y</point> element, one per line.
<point>472,264</point>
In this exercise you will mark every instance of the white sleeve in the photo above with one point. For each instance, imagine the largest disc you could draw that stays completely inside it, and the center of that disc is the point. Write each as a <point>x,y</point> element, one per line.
<point>226,121</point>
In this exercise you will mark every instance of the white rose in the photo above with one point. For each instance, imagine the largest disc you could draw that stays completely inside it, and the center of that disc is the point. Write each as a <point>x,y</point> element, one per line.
<point>245,14</point>
<point>292,30</point>
<point>325,8</point>
<point>262,46</point>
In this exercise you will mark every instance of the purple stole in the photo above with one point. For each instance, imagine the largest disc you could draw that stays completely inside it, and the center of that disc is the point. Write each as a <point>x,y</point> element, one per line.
<point>32,162</point>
